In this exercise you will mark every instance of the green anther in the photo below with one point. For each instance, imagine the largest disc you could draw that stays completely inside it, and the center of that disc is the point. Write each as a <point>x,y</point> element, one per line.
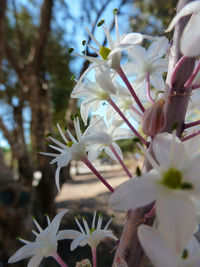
<point>92,230</point>
<point>174,126</point>
<point>18,237</point>
<point>115,11</point>
<point>185,254</point>
<point>70,50</point>
<point>73,77</point>
<point>101,22</point>
<point>138,172</point>
<point>70,143</point>
<point>186,186</point>
<point>48,134</point>
<point>83,42</point>
<point>104,52</point>
<point>172,179</point>
<point>136,140</point>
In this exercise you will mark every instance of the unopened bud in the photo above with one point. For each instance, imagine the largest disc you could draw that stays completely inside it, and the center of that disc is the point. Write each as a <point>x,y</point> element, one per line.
<point>154,118</point>
<point>84,263</point>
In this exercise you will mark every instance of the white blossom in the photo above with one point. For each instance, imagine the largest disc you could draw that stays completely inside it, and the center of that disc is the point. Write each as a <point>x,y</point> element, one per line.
<point>111,56</point>
<point>163,256</point>
<point>189,43</point>
<point>148,62</point>
<point>45,244</point>
<point>95,93</point>
<point>173,183</point>
<point>91,236</point>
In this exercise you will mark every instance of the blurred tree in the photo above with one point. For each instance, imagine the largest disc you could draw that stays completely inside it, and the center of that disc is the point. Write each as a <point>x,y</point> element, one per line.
<point>153,16</point>
<point>34,91</point>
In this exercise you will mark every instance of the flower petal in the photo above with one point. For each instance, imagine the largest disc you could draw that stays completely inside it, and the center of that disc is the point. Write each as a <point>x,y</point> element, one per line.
<point>55,224</point>
<point>77,242</point>
<point>190,38</point>
<point>134,193</point>
<point>35,261</point>
<point>177,219</point>
<point>26,251</point>
<point>186,10</point>
<point>155,247</point>
<point>68,234</point>
<point>168,150</point>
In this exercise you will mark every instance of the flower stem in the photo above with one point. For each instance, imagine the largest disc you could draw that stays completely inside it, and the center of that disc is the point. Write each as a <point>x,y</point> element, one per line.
<point>94,170</point>
<point>59,260</point>
<point>176,68</point>
<point>127,122</point>
<point>136,111</point>
<point>151,213</point>
<point>120,161</point>
<point>192,77</point>
<point>94,257</point>
<point>195,86</point>
<point>130,88</point>
<point>191,124</point>
<point>190,136</point>
<point>148,88</point>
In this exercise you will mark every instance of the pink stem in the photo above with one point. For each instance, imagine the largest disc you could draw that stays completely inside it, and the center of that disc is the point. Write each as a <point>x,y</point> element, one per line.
<point>120,161</point>
<point>136,111</point>
<point>94,170</point>
<point>190,136</point>
<point>127,122</point>
<point>195,86</point>
<point>151,213</point>
<point>176,68</point>
<point>130,88</point>
<point>148,87</point>
<point>192,77</point>
<point>59,260</point>
<point>94,257</point>
<point>191,124</point>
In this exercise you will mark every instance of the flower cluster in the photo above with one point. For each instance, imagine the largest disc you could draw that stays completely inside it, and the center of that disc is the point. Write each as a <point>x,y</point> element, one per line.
<point>46,242</point>
<point>172,184</point>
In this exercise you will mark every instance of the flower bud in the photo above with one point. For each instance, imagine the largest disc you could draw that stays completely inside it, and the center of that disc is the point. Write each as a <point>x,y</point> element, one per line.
<point>84,263</point>
<point>154,118</point>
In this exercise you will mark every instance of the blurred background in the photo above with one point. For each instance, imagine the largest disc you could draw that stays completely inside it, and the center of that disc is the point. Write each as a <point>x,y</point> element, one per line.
<point>35,87</point>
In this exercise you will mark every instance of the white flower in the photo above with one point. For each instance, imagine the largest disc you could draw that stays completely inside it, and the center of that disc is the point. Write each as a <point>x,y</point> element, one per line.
<point>173,183</point>
<point>148,62</point>
<point>110,56</point>
<point>100,130</point>
<point>45,244</point>
<point>162,255</point>
<point>97,93</point>
<point>73,150</point>
<point>91,236</point>
<point>126,103</point>
<point>189,43</point>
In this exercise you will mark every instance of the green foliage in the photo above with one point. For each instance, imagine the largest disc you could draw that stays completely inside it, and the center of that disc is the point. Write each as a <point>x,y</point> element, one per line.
<point>127,145</point>
<point>154,16</point>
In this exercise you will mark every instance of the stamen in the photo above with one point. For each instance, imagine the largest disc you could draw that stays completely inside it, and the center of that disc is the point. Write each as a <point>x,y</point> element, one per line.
<point>93,38</point>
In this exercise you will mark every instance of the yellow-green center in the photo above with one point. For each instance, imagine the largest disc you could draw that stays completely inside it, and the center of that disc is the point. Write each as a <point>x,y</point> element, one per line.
<point>92,230</point>
<point>104,52</point>
<point>70,143</point>
<point>173,180</point>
